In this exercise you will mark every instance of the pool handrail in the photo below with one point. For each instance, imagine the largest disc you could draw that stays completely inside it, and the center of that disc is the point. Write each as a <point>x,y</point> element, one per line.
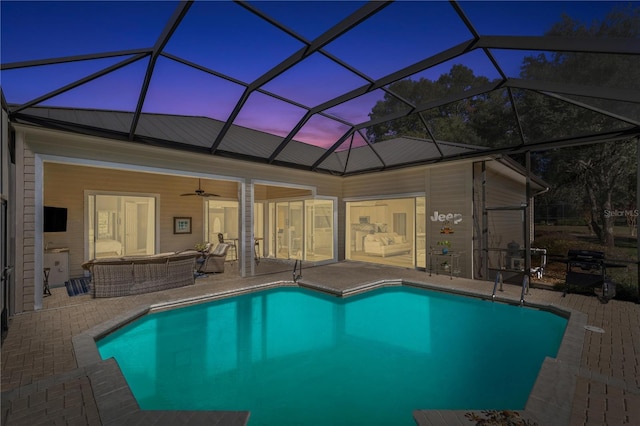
<point>295,267</point>
<point>495,285</point>
<point>525,288</point>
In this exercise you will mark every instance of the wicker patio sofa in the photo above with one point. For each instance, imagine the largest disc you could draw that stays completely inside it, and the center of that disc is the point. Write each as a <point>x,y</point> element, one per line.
<point>127,275</point>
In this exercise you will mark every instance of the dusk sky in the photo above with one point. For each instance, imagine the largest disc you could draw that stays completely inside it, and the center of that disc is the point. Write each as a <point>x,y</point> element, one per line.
<point>226,38</point>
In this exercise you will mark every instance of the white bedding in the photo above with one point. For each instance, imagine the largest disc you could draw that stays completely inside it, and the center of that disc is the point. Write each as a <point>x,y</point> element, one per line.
<point>106,246</point>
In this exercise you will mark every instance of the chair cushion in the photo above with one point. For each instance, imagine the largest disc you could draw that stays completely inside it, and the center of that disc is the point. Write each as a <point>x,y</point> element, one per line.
<point>220,249</point>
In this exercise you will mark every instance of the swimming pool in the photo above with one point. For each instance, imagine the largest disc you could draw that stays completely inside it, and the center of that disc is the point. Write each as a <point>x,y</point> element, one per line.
<point>296,356</point>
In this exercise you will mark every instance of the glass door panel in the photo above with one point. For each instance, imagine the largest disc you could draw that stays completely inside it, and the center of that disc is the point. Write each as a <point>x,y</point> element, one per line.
<point>272,222</point>
<point>296,230</point>
<point>222,218</point>
<point>319,232</point>
<point>121,225</point>
<point>282,230</point>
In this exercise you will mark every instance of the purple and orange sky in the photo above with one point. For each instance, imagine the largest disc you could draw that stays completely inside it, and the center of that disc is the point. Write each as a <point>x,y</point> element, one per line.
<point>227,38</point>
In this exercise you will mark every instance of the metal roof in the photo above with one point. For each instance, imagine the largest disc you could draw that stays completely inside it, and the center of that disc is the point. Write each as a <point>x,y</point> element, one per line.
<point>299,83</point>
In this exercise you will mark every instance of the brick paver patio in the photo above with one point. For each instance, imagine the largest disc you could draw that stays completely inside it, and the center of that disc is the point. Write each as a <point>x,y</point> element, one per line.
<point>43,383</point>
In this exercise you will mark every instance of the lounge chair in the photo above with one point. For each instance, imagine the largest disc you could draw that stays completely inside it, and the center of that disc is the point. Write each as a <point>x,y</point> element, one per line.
<point>214,259</point>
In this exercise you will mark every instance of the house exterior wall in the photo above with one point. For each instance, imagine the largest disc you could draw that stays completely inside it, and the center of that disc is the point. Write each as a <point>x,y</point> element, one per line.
<point>141,157</point>
<point>449,207</point>
<point>75,163</point>
<point>409,180</point>
<point>65,186</point>
<point>448,189</point>
<point>72,164</point>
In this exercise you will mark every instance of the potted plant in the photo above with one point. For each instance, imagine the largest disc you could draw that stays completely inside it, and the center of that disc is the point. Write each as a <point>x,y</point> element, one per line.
<point>200,247</point>
<point>446,245</point>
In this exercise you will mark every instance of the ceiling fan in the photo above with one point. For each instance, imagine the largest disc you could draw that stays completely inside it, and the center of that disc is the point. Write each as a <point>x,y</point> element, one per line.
<point>200,192</point>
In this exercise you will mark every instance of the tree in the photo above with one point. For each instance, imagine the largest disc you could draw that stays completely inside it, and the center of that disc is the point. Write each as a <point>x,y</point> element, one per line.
<point>485,119</point>
<point>596,180</point>
<point>597,177</point>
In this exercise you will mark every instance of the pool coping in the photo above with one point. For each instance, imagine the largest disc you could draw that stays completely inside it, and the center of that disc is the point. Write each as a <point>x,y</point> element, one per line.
<point>548,402</point>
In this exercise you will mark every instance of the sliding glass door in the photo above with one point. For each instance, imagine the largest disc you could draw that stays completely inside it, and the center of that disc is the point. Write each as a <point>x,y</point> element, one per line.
<point>301,230</point>
<point>121,225</point>
<point>289,230</point>
<point>319,230</point>
<point>387,231</point>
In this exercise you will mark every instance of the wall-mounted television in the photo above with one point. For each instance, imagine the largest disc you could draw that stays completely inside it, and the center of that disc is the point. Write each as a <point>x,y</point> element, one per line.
<point>55,219</point>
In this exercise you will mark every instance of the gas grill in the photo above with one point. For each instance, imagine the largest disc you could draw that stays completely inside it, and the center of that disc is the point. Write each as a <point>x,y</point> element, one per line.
<point>588,268</point>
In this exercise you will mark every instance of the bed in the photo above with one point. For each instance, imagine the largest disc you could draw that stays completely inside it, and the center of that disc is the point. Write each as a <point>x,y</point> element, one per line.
<point>107,247</point>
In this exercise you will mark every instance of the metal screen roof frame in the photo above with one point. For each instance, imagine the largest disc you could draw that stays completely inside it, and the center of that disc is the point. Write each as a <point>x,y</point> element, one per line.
<point>277,155</point>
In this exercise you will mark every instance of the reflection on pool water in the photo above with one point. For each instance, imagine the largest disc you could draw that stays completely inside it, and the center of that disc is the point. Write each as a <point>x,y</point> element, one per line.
<point>295,356</point>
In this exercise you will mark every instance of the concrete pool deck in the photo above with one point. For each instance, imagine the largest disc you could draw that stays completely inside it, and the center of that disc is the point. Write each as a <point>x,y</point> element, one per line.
<point>45,380</point>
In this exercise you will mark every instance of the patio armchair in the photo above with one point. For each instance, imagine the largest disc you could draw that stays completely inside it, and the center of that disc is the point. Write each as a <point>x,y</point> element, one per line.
<point>214,260</point>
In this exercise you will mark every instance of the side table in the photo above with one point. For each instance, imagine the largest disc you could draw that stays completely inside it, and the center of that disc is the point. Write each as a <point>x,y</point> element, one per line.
<point>445,262</point>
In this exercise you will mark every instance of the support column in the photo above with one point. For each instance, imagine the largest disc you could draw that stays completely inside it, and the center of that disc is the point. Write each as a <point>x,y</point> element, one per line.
<point>246,240</point>
<point>484,237</point>
<point>638,206</point>
<point>528,214</point>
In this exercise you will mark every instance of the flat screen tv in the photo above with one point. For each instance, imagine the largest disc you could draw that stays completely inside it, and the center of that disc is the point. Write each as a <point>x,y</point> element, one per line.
<point>55,219</point>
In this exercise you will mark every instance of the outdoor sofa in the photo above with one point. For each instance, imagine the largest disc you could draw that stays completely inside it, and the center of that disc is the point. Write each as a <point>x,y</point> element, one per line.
<point>127,275</point>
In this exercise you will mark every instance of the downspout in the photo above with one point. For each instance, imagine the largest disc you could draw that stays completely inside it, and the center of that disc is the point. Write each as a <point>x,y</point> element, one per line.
<point>637,201</point>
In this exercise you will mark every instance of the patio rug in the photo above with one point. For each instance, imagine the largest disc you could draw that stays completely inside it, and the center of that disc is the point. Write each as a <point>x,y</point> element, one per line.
<point>77,286</point>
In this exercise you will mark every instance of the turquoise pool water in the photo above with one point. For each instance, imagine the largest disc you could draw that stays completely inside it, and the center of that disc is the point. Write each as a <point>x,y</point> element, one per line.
<point>296,357</point>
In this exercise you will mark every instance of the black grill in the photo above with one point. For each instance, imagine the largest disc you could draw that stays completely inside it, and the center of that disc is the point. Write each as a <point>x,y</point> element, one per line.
<point>585,268</point>
<point>588,268</point>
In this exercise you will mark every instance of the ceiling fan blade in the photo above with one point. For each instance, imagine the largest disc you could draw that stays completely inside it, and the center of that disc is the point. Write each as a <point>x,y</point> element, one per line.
<point>200,192</point>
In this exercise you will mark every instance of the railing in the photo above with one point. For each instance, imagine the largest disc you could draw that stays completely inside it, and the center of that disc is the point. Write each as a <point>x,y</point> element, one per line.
<point>525,288</point>
<point>295,268</point>
<point>495,285</point>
